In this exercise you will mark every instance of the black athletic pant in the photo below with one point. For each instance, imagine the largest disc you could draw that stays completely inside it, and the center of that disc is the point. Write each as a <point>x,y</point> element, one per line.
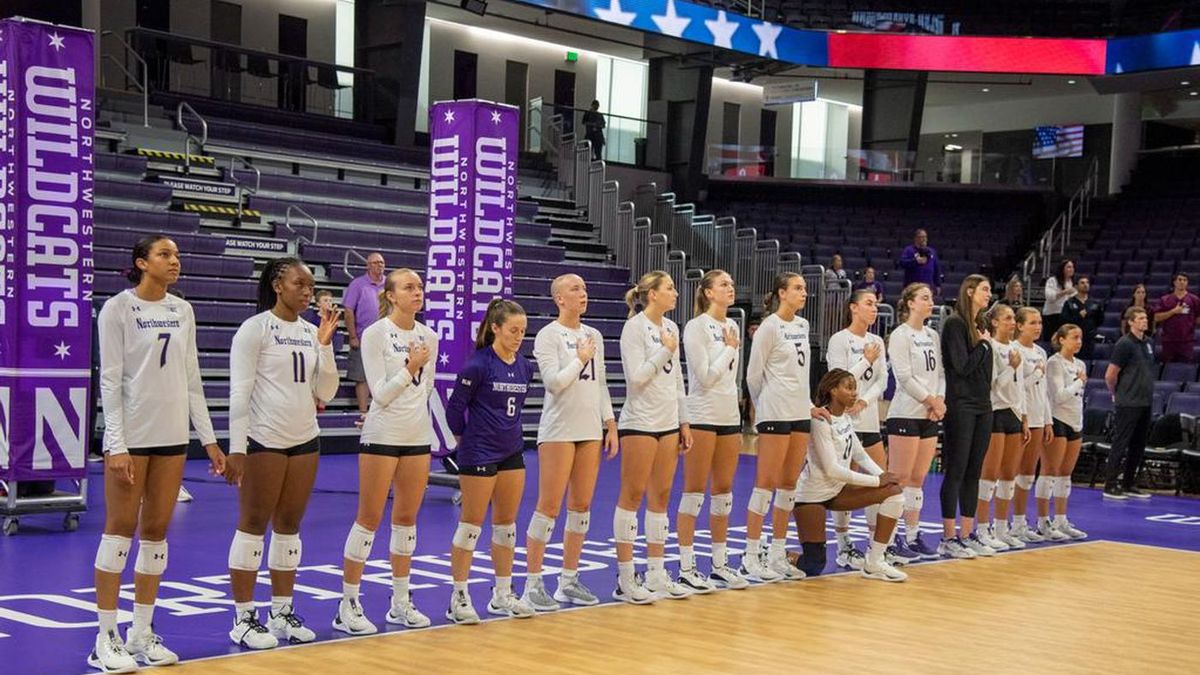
<point>1131,426</point>
<point>963,449</point>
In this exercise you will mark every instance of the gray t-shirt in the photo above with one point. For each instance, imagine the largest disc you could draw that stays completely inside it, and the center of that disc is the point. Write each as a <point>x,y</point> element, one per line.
<point>1135,383</point>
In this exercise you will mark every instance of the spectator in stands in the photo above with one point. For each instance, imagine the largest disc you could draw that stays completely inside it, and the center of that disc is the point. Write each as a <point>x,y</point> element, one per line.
<point>322,302</point>
<point>1058,288</point>
<point>1177,314</point>
<point>361,302</point>
<point>837,269</point>
<point>1130,378</point>
<point>868,281</point>
<point>1141,299</point>
<point>921,263</point>
<point>1086,312</point>
<point>1014,292</point>
<point>593,129</point>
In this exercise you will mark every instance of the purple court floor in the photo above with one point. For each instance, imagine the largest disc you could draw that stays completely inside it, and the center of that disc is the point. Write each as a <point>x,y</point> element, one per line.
<point>47,620</point>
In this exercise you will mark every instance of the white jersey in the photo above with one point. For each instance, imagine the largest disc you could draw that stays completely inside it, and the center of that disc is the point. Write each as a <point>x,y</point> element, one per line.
<point>655,399</point>
<point>1033,372</point>
<point>399,412</point>
<point>150,374</point>
<point>777,372</point>
<point>834,446</point>
<point>276,368</point>
<point>712,369</point>
<point>1066,390</point>
<point>916,358</point>
<point>577,402</point>
<point>846,352</point>
<point>1008,383</point>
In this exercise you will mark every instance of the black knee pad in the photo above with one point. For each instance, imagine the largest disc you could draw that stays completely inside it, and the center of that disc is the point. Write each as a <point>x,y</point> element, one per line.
<point>812,563</point>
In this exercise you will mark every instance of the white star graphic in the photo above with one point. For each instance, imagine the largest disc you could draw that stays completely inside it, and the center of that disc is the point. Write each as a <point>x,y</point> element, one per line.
<point>445,359</point>
<point>449,116</point>
<point>671,23</point>
<point>56,41</point>
<point>62,350</point>
<point>722,30</point>
<point>495,117</point>
<point>767,34</point>
<point>614,14</point>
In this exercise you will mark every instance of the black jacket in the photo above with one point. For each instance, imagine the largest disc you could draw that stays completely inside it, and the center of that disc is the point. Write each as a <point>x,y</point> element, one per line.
<point>968,369</point>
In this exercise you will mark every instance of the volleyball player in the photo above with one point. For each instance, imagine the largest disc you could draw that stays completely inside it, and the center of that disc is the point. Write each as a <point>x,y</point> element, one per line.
<point>968,422</point>
<point>777,375</point>
<point>857,350</point>
<point>654,431</point>
<point>399,356</point>
<point>484,414</point>
<point>577,416</point>
<point>828,482</point>
<point>279,365</point>
<point>1041,429</point>
<point>150,388</point>
<point>916,408</point>
<point>1067,377</point>
<point>712,345</point>
<point>1010,431</point>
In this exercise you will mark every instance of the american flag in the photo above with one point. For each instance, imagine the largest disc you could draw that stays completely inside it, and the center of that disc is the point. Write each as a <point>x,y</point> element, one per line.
<point>1058,141</point>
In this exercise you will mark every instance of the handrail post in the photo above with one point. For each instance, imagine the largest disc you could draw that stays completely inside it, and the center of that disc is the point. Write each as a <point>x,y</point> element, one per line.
<point>144,85</point>
<point>187,142</point>
<point>287,221</point>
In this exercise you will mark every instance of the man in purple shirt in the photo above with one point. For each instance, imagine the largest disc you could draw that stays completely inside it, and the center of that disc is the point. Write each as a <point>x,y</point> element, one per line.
<point>1178,312</point>
<point>361,302</point>
<point>920,263</point>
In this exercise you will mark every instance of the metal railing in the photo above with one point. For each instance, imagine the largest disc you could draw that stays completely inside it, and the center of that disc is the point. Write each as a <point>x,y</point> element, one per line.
<point>287,222</point>
<point>346,262</point>
<point>680,224</point>
<point>595,201</point>
<point>677,267</point>
<point>644,196</point>
<point>703,237</point>
<point>766,266</point>
<point>187,142</point>
<point>885,321</point>
<point>143,84</point>
<point>625,237</point>
<point>789,261</point>
<point>606,218</point>
<point>1037,264</point>
<point>738,315</point>
<point>240,189</point>
<point>583,161</point>
<point>723,244</point>
<point>639,254</point>
<point>664,209</point>
<point>938,317</point>
<point>743,262</point>
<point>566,160</point>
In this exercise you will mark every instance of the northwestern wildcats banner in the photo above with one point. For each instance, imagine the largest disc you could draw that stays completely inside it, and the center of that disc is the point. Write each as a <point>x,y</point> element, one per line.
<point>472,227</point>
<point>46,119</point>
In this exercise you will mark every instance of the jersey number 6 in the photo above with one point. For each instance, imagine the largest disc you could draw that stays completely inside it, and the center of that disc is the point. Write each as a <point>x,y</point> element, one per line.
<point>512,406</point>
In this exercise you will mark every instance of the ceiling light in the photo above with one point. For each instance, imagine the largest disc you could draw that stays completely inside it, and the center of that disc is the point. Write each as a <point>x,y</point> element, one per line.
<point>1070,81</point>
<point>1184,83</point>
<point>950,147</point>
<point>1192,93</point>
<point>953,135</point>
<point>986,90</point>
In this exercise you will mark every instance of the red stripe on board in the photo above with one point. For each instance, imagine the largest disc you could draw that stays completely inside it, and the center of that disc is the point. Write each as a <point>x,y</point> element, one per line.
<point>967,54</point>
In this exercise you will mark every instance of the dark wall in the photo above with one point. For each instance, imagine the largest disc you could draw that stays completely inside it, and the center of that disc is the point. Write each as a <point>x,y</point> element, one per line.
<point>1018,167</point>
<point>389,39</point>
<point>64,12</point>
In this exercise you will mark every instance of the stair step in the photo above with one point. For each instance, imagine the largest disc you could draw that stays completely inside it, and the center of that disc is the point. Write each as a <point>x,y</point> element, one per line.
<point>167,155</point>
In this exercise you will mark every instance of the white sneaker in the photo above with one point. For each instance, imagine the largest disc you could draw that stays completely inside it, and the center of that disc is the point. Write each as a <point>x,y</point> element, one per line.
<point>248,632</point>
<point>109,655</point>
<point>573,592</point>
<point>1010,540</point>
<point>350,618</point>
<point>850,558</point>
<point>881,570</point>
<point>1068,528</point>
<point>184,497</point>
<point>634,594</point>
<point>404,613</point>
<point>1027,534</point>
<point>1051,533</point>
<point>662,585</point>
<point>954,547</point>
<point>786,570</point>
<point>695,582</point>
<point>535,596</point>
<point>149,650</point>
<point>509,604</point>
<point>289,626</point>
<point>461,611</point>
<point>985,537</point>
<point>727,577</point>
<point>976,544</point>
<point>754,570</point>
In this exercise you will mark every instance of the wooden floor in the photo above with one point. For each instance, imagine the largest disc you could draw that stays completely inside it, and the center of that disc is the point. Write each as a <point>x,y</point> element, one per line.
<point>1089,608</point>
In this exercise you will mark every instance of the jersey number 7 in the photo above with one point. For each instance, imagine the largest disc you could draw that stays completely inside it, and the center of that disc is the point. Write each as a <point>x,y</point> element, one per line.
<point>166,338</point>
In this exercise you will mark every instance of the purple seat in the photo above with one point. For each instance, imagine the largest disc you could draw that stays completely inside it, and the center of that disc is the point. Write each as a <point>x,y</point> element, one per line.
<point>188,243</point>
<point>1178,372</point>
<point>1097,370</point>
<point>1100,400</point>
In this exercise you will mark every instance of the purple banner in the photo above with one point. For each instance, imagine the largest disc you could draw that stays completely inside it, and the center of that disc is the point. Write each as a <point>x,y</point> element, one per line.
<point>472,227</point>
<point>46,120</point>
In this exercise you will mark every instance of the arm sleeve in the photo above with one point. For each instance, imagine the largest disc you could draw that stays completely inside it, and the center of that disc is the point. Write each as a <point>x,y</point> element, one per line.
<point>384,390</point>
<point>908,258</point>
<point>1022,405</point>
<point>556,379</point>
<point>243,366</point>
<point>461,396</point>
<point>639,366</point>
<point>606,408</point>
<point>756,366</point>
<point>937,267</point>
<point>960,358</point>
<point>863,460</point>
<point>824,453</point>
<point>878,384</point>
<point>701,370</point>
<point>197,405</point>
<point>902,367</point>
<point>681,396</point>
<point>325,384</point>
<point>1063,385</point>
<point>112,370</point>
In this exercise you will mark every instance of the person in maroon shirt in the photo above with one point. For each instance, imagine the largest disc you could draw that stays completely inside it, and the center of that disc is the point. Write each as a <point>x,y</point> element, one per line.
<point>1178,312</point>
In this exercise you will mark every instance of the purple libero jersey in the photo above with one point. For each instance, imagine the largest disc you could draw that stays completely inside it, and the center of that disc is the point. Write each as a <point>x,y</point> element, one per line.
<point>485,407</point>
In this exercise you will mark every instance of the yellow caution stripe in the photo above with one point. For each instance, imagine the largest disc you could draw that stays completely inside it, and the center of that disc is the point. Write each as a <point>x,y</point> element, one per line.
<point>175,156</point>
<point>220,210</point>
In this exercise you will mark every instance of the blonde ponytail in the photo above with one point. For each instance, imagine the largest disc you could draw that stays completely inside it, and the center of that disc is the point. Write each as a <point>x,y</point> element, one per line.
<point>637,296</point>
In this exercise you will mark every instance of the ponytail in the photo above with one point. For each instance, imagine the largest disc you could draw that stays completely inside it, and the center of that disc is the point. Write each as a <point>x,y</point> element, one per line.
<point>637,296</point>
<point>141,251</point>
<point>266,280</point>
<point>498,311</point>
<point>385,305</point>
<point>855,298</point>
<point>771,300</point>
<point>701,303</point>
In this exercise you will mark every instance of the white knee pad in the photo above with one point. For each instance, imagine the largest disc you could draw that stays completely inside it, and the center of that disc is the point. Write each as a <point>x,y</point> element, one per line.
<point>113,553</point>
<point>1044,489</point>
<point>245,553</point>
<point>625,526</point>
<point>987,490</point>
<point>1005,490</point>
<point>914,499</point>
<point>892,507</point>
<point>284,552</point>
<point>578,521</point>
<point>403,541</point>
<point>1062,487</point>
<point>358,544</point>
<point>721,505</point>
<point>466,536</point>
<point>691,503</point>
<point>540,527</point>
<point>505,535</point>
<point>1025,482</point>
<point>785,500</point>
<point>657,527</point>
<point>151,558</point>
<point>760,501</point>
<point>841,520</point>
<point>870,511</point>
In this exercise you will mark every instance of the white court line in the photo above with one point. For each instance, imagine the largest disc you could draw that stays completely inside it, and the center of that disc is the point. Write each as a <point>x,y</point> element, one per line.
<point>1153,546</point>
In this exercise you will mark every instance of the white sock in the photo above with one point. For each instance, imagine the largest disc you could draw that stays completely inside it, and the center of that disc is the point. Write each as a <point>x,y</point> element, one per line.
<point>625,571</point>
<point>503,586</point>
<point>778,549</point>
<point>350,591</point>
<point>875,551</point>
<point>400,588</point>
<point>568,575</point>
<point>687,558</point>
<point>719,556</point>
<point>844,540</point>
<point>278,602</point>
<point>1060,519</point>
<point>654,564</point>
<point>1001,527</point>
<point>910,533</point>
<point>460,586</point>
<point>1043,520</point>
<point>533,576</point>
<point>242,607</point>
<point>753,546</point>
<point>108,620</point>
<point>143,616</point>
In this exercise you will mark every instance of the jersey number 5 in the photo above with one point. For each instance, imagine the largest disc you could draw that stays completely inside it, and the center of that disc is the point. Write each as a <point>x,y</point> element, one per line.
<point>166,338</point>
<point>800,354</point>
